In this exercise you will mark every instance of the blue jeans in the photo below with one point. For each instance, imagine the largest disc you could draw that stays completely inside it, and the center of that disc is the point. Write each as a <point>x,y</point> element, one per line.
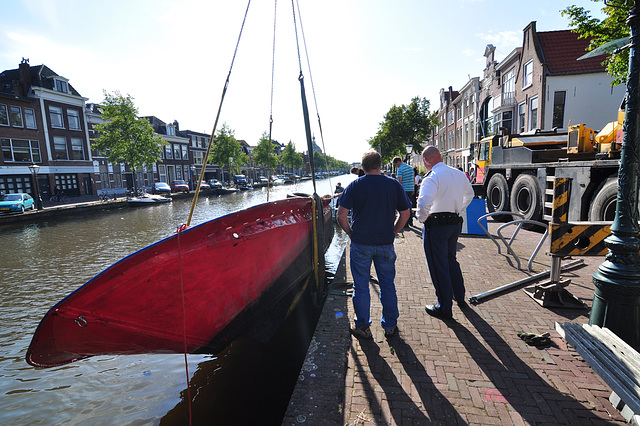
<point>440,243</point>
<point>384,260</point>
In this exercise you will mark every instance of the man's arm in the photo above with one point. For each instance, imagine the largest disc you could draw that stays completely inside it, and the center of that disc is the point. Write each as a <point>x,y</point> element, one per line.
<point>401,220</point>
<point>343,220</point>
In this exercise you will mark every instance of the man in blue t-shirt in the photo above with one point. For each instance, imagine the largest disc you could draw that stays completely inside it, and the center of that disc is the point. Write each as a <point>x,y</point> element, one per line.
<point>406,179</point>
<point>374,199</point>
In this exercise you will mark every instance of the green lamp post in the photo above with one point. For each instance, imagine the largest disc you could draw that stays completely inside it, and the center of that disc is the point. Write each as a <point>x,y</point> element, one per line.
<point>616,302</point>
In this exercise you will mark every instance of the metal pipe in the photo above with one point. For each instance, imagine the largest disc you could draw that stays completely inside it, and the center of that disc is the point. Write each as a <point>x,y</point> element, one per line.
<point>476,299</point>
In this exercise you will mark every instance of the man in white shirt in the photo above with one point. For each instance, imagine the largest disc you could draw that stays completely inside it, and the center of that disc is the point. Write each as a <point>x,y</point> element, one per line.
<point>444,193</point>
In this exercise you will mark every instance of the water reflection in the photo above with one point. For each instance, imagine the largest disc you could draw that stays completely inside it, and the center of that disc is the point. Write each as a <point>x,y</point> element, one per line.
<point>41,264</point>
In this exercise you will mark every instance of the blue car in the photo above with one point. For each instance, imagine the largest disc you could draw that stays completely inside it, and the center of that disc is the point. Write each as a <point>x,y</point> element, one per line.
<point>17,203</point>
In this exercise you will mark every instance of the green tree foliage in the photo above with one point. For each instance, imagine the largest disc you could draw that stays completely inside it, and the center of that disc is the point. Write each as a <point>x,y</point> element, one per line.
<point>225,148</point>
<point>264,153</point>
<point>611,28</point>
<point>125,138</point>
<point>403,125</point>
<point>290,157</point>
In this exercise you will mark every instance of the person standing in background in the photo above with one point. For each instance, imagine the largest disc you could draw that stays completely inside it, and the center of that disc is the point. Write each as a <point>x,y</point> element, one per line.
<point>444,193</point>
<point>405,177</point>
<point>374,198</point>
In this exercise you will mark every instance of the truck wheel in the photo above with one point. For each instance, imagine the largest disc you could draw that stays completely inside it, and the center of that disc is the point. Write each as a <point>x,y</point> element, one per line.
<point>603,204</point>
<point>498,196</point>
<point>526,197</point>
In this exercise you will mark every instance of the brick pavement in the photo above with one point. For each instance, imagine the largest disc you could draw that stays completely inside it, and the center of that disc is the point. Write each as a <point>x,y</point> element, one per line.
<point>472,370</point>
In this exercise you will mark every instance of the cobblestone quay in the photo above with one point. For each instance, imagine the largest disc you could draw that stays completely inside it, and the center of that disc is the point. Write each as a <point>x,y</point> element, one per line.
<point>473,369</point>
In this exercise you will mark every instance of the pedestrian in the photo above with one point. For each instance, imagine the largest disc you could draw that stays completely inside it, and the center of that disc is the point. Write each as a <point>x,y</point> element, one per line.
<point>472,175</point>
<point>339,189</point>
<point>444,193</point>
<point>374,200</point>
<point>405,177</point>
<point>357,171</point>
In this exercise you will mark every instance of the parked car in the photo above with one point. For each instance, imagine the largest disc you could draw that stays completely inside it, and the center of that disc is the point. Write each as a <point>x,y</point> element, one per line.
<point>204,185</point>
<point>241,180</point>
<point>17,203</point>
<point>161,188</point>
<point>180,186</point>
<point>215,184</point>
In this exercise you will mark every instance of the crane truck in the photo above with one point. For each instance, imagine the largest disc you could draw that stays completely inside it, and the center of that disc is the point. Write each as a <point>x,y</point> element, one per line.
<point>516,171</point>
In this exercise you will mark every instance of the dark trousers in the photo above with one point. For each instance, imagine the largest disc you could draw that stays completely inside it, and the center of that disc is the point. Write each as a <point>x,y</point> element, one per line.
<point>440,243</point>
<point>412,198</point>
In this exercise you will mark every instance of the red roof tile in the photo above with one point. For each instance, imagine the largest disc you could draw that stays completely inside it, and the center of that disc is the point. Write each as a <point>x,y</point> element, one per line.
<point>561,49</point>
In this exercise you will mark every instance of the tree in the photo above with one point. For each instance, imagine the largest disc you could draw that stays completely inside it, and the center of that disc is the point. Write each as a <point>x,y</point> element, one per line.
<point>290,157</point>
<point>611,28</point>
<point>402,125</point>
<point>263,154</point>
<point>226,148</point>
<point>125,138</point>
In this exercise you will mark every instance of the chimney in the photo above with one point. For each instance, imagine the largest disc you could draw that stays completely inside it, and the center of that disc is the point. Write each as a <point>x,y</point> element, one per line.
<point>25,77</point>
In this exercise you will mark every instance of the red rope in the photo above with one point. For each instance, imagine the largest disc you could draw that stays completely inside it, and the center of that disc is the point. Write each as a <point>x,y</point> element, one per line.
<point>181,228</point>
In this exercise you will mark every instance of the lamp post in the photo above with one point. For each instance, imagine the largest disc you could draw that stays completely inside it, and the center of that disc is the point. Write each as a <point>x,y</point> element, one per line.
<point>409,148</point>
<point>193,175</point>
<point>616,301</point>
<point>34,170</point>
<point>230,166</point>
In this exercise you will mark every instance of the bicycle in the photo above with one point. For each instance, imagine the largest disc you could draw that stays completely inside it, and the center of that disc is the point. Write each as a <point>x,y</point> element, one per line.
<point>105,197</point>
<point>57,198</point>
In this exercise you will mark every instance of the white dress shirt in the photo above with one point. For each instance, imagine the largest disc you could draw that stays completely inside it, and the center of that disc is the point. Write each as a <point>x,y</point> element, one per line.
<point>445,189</point>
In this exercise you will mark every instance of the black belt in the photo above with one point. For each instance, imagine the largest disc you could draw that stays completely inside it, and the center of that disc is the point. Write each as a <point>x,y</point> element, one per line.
<point>444,218</point>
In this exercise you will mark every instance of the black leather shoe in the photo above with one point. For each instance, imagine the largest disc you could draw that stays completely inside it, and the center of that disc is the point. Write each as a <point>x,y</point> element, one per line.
<point>463,304</point>
<point>437,312</point>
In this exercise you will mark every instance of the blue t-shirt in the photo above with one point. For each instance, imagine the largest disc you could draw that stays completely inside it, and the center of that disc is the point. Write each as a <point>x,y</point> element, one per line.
<point>406,172</point>
<point>374,200</point>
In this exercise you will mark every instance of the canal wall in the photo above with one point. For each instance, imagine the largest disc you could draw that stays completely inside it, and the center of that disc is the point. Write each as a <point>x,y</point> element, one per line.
<point>319,392</point>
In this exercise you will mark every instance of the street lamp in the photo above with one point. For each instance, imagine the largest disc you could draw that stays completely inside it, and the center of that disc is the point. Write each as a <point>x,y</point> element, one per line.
<point>193,175</point>
<point>34,170</point>
<point>409,148</point>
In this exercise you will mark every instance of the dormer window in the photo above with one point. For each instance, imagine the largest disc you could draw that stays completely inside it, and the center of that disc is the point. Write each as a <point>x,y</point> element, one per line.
<point>171,130</point>
<point>61,86</point>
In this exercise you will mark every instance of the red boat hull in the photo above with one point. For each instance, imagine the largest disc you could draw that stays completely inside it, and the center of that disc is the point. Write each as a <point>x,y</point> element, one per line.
<point>229,272</point>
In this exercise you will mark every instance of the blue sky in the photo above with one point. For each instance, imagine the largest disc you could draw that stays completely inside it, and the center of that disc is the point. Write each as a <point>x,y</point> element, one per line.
<point>365,56</point>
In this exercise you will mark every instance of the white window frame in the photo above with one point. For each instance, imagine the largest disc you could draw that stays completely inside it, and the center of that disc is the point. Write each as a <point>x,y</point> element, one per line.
<point>77,148</point>
<point>73,116</point>
<point>527,74</point>
<point>59,141</point>
<point>30,118</point>
<point>533,106</point>
<point>16,116</point>
<point>5,114</point>
<point>55,116</point>
<point>61,85</point>
<point>522,114</point>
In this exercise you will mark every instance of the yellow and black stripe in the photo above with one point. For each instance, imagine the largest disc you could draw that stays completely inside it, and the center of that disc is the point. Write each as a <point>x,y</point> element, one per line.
<point>560,210</point>
<point>579,239</point>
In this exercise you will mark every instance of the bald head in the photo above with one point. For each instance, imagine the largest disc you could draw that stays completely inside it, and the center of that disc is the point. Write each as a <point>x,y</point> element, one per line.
<point>431,156</point>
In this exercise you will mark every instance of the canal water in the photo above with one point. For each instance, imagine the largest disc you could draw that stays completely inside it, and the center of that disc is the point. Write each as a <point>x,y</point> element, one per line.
<point>248,383</point>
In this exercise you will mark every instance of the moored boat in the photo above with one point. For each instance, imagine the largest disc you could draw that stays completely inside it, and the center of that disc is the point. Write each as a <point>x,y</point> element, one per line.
<point>197,290</point>
<point>147,199</point>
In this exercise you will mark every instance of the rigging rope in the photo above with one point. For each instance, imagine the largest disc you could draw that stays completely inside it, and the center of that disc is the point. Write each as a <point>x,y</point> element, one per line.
<point>313,90</point>
<point>215,124</point>
<point>273,66</point>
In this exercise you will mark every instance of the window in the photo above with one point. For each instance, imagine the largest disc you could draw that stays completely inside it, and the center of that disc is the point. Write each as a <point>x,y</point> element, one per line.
<point>507,120</point>
<point>558,109</point>
<point>60,145</point>
<point>509,87</point>
<point>451,117</point>
<point>167,152</point>
<point>521,114</point>
<point>197,157</point>
<point>528,74</point>
<point>171,130</point>
<point>16,116</point>
<point>17,150</point>
<point>55,115</point>
<point>30,118</point>
<point>76,149</point>
<point>185,153</point>
<point>62,86</point>
<point>533,113</point>
<point>4,116</point>
<point>176,151</point>
<point>74,119</point>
